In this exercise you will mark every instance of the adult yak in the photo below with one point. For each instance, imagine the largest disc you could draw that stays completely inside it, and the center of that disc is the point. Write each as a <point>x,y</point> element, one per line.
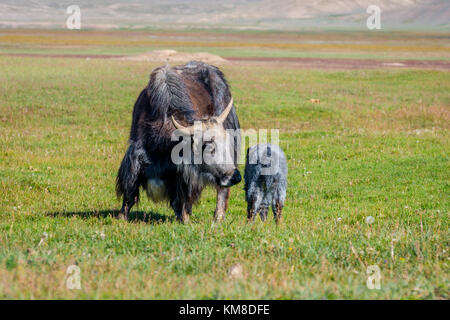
<point>184,94</point>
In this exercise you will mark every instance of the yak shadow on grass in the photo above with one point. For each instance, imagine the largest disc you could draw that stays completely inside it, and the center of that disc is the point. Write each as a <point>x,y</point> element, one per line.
<point>147,217</point>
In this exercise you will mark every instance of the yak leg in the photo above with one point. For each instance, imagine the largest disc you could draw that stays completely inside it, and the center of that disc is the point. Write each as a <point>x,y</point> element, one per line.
<point>187,211</point>
<point>253,206</point>
<point>182,210</point>
<point>263,213</point>
<point>250,213</point>
<point>183,215</point>
<point>277,208</point>
<point>129,178</point>
<point>223,194</point>
<point>127,204</point>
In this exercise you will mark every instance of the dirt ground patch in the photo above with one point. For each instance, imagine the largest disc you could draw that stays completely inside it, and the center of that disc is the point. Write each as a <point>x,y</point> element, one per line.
<point>175,56</point>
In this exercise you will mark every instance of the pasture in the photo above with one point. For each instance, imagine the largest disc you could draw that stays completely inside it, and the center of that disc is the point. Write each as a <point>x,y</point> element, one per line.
<point>377,144</point>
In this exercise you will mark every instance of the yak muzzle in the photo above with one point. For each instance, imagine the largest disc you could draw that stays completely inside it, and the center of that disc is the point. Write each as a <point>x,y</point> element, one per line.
<point>229,182</point>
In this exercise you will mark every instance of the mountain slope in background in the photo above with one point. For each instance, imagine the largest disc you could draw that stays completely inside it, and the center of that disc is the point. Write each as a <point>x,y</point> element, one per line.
<point>248,14</point>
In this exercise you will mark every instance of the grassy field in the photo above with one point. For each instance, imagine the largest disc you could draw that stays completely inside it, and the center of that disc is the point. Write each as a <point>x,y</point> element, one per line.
<point>376,145</point>
<point>358,45</point>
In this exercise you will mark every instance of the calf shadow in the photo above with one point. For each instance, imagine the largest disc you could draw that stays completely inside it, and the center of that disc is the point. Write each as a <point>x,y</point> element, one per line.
<point>142,216</point>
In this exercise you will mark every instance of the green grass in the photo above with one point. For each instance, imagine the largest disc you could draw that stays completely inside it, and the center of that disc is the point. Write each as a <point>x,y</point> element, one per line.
<point>376,145</point>
<point>357,45</point>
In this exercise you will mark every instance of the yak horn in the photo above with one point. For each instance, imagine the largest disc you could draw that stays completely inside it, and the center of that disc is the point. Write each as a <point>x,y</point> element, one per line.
<point>190,130</point>
<point>225,112</point>
<point>185,130</point>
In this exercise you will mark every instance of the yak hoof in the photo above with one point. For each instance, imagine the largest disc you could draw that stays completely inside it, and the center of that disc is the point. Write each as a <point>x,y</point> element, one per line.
<point>183,218</point>
<point>122,216</point>
<point>219,216</point>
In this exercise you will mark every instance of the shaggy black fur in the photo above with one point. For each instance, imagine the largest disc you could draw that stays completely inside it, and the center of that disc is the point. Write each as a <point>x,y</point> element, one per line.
<point>150,146</point>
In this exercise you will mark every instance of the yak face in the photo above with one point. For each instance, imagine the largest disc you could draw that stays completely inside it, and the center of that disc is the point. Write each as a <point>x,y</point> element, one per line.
<point>213,149</point>
<point>218,154</point>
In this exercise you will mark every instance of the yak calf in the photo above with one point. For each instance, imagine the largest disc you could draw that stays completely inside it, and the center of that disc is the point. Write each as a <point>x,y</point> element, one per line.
<point>265,181</point>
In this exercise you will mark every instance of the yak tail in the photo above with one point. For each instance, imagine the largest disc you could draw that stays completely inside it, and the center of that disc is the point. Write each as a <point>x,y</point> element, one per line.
<point>130,174</point>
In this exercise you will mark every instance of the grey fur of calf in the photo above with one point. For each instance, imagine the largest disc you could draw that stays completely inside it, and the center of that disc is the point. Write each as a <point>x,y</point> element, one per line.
<point>265,181</point>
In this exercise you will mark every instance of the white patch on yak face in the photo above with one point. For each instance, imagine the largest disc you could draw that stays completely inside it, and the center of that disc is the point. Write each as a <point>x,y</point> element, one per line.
<point>218,148</point>
<point>156,189</point>
<point>218,152</point>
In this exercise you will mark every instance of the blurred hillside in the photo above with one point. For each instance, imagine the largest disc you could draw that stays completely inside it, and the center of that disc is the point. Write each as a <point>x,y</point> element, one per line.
<point>231,14</point>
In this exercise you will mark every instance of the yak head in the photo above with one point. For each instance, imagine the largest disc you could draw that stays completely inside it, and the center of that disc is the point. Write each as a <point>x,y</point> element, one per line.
<point>212,149</point>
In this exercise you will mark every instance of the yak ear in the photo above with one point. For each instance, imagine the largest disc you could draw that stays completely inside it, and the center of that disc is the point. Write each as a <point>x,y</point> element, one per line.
<point>183,129</point>
<point>225,112</point>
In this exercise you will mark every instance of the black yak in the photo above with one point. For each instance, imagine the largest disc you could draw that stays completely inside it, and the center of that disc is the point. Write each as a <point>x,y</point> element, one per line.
<point>183,94</point>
